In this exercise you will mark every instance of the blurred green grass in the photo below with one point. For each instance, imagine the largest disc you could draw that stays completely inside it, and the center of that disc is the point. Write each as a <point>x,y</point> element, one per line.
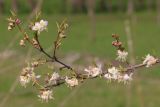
<point>94,93</point>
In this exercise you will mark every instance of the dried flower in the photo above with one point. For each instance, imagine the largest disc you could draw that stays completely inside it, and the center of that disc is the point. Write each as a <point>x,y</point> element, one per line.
<point>149,60</point>
<point>40,26</point>
<point>71,82</point>
<point>45,95</point>
<point>122,55</point>
<point>93,71</point>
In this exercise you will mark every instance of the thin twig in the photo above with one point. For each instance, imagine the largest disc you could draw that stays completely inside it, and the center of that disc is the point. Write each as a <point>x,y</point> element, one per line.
<point>62,79</point>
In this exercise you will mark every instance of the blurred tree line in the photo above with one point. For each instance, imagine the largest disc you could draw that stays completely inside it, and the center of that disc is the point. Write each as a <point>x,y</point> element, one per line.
<point>79,6</point>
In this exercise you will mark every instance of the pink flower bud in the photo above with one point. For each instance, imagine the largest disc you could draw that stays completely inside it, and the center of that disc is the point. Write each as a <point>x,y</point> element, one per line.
<point>17,21</point>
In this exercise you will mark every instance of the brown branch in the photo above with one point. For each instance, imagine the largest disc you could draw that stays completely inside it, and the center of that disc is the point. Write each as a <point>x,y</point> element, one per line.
<point>139,65</point>
<point>41,48</point>
<point>53,59</point>
<point>80,76</point>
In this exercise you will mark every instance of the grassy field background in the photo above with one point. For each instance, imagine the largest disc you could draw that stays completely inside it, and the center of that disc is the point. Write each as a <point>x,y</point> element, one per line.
<point>144,91</point>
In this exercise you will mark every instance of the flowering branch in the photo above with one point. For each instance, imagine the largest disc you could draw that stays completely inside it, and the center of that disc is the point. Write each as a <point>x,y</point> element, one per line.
<point>61,80</point>
<point>38,27</point>
<point>118,73</point>
<point>141,65</point>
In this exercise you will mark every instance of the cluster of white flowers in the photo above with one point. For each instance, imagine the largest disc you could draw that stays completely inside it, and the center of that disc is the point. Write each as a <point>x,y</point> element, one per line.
<point>122,55</point>
<point>71,82</point>
<point>94,71</point>
<point>53,79</point>
<point>26,75</point>
<point>114,74</point>
<point>45,95</point>
<point>40,26</point>
<point>149,60</point>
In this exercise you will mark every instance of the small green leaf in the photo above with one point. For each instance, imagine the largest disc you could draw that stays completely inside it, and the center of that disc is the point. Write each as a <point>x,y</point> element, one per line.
<point>57,25</point>
<point>38,14</point>
<point>13,13</point>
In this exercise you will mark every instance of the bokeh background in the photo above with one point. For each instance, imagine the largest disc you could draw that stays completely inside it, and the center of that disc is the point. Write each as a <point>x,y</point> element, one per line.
<point>92,22</point>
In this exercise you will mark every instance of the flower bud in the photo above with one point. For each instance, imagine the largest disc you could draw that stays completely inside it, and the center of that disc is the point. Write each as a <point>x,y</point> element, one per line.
<point>116,44</point>
<point>115,36</point>
<point>61,35</point>
<point>65,25</point>
<point>35,43</point>
<point>22,43</point>
<point>9,28</point>
<point>17,21</point>
<point>35,63</point>
<point>11,25</point>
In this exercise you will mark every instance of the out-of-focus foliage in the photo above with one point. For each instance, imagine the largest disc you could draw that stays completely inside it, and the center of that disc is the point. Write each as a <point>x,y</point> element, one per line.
<point>69,6</point>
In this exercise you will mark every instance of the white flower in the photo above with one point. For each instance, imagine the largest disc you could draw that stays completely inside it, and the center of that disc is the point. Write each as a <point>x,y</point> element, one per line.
<point>44,23</point>
<point>122,55</point>
<point>108,76</point>
<point>93,71</point>
<point>36,26</point>
<point>45,95</point>
<point>40,26</point>
<point>149,60</point>
<point>71,82</point>
<point>126,78</point>
<point>26,76</point>
<point>24,80</point>
<point>113,73</point>
<point>55,76</point>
